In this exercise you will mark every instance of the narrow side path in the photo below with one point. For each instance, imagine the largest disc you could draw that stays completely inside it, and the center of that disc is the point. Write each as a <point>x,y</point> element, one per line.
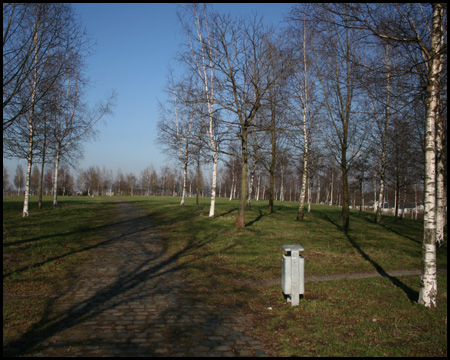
<point>363,275</point>
<point>127,300</point>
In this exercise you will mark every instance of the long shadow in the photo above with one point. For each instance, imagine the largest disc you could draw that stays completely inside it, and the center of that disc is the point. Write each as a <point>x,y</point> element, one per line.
<point>412,294</point>
<point>81,233</point>
<point>226,212</point>
<point>149,266</point>
<point>400,234</point>
<point>256,219</point>
<point>144,272</point>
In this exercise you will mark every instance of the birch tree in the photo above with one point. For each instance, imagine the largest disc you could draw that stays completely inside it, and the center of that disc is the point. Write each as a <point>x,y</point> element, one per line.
<point>19,178</point>
<point>200,60</point>
<point>421,31</point>
<point>28,37</point>
<point>302,85</point>
<point>176,126</point>
<point>335,50</point>
<point>382,116</point>
<point>72,121</point>
<point>46,31</point>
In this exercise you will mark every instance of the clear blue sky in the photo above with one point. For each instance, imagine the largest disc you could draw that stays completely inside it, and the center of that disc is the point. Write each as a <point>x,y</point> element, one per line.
<point>136,43</point>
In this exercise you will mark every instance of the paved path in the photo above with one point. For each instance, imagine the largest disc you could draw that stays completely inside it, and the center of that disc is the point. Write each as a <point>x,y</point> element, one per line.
<point>127,300</point>
<point>369,274</point>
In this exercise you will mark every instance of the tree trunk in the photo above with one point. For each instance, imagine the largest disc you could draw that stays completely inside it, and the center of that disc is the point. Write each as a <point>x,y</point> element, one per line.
<point>440,180</point>
<point>214,182</point>
<point>428,280</point>
<point>55,178</point>
<point>183,195</point>
<point>301,208</point>
<point>25,212</point>
<point>381,195</point>
<point>250,187</point>
<point>31,120</point>
<point>240,220</point>
<point>197,193</point>
<point>332,185</point>
<point>41,180</point>
<point>345,200</point>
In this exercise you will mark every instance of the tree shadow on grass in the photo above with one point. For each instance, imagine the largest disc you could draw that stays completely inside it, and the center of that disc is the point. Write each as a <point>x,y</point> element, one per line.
<point>410,293</point>
<point>135,263</point>
<point>259,217</point>
<point>400,234</point>
<point>80,232</point>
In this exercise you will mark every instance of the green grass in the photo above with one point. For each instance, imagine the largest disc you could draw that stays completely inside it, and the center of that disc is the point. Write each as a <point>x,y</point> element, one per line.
<point>365,317</point>
<point>40,251</point>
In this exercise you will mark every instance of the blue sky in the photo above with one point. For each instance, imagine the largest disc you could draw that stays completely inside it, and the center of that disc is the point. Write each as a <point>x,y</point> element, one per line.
<point>136,43</point>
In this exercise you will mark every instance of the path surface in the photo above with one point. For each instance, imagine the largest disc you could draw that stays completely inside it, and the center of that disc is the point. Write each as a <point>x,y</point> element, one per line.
<point>365,275</point>
<point>127,300</point>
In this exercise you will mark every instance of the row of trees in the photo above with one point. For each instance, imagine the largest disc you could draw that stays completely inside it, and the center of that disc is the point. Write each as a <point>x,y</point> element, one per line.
<point>44,117</point>
<point>353,82</point>
<point>323,188</point>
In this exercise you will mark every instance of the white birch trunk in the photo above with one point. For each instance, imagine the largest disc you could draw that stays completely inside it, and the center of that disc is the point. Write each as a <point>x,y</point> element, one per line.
<point>25,212</point>
<point>183,195</point>
<point>440,174</point>
<point>213,186</point>
<point>384,138</point>
<point>209,91</point>
<point>304,99</point>
<point>303,192</point>
<point>428,280</point>
<point>381,195</point>
<point>232,182</point>
<point>252,177</point>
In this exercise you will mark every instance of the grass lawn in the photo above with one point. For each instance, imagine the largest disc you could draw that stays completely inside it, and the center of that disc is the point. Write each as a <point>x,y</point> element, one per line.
<point>39,253</point>
<point>364,317</point>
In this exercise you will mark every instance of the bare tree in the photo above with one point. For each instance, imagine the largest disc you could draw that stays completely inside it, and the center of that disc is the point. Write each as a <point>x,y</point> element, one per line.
<point>175,127</point>
<point>244,59</point>
<point>19,178</point>
<point>55,32</point>
<point>72,122</point>
<point>336,48</point>
<point>200,60</point>
<point>302,85</point>
<point>380,101</point>
<point>34,181</point>
<point>30,34</point>
<point>148,180</point>
<point>421,32</point>
<point>5,178</point>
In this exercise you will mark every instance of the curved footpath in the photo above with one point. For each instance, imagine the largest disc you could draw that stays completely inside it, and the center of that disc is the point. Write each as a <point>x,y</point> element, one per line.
<point>127,300</point>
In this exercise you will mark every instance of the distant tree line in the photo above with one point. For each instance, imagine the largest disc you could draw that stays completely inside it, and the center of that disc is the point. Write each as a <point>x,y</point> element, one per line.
<point>323,189</point>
